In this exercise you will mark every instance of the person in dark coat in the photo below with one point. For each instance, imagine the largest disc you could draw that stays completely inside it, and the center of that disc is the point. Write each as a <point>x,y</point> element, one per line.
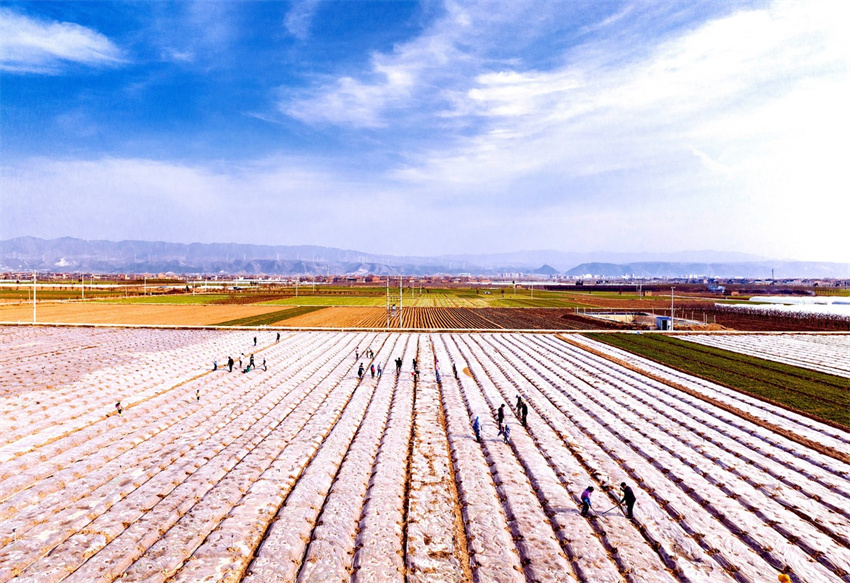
<point>255,340</point>
<point>278,338</point>
<point>372,370</point>
<point>500,416</point>
<point>476,427</point>
<point>629,500</point>
<point>360,371</point>
<point>229,364</point>
<point>524,414</point>
<point>398,365</point>
<point>585,500</point>
<point>454,370</point>
<point>518,405</point>
<point>251,362</point>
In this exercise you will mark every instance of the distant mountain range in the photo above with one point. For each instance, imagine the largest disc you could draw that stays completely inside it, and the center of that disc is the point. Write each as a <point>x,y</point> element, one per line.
<point>745,269</point>
<point>77,255</point>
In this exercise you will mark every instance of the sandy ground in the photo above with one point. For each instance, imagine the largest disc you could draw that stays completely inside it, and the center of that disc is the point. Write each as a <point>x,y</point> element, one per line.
<point>159,315</point>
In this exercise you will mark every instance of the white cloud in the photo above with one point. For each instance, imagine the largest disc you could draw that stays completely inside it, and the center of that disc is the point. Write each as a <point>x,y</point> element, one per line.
<point>300,17</point>
<point>28,45</point>
<point>413,73</point>
<point>736,133</point>
<point>362,103</point>
<point>279,199</point>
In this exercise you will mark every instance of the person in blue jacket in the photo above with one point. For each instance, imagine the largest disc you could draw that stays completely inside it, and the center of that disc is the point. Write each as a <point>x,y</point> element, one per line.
<point>585,500</point>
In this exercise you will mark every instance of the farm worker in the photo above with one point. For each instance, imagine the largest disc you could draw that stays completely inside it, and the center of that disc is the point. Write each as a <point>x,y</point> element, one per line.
<point>398,365</point>
<point>229,364</point>
<point>251,362</point>
<point>264,364</point>
<point>197,394</point>
<point>629,499</point>
<point>518,405</point>
<point>255,340</point>
<point>454,370</point>
<point>505,432</point>
<point>380,372</point>
<point>524,415</point>
<point>476,427</point>
<point>414,364</point>
<point>356,354</point>
<point>360,371</point>
<point>585,500</point>
<point>215,365</point>
<point>501,415</point>
<point>372,370</point>
<point>119,408</point>
<point>278,338</point>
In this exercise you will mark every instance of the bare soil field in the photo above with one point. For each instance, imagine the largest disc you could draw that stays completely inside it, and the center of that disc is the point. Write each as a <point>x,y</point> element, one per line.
<point>130,314</point>
<point>301,470</point>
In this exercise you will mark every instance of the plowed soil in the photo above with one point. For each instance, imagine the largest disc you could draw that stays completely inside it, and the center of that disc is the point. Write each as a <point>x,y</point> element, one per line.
<point>130,314</point>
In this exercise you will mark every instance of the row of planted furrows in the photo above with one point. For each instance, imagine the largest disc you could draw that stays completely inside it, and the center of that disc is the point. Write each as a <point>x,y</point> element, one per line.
<point>306,472</point>
<point>447,318</point>
<point>830,354</point>
<point>36,359</point>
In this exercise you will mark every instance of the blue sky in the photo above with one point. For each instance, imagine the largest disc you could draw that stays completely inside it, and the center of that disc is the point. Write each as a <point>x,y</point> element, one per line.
<point>434,127</point>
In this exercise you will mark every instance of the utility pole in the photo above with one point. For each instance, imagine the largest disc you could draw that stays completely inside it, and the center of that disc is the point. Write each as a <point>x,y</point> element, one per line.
<point>388,301</point>
<point>146,285</point>
<point>400,299</point>
<point>33,296</point>
<point>672,313</point>
<point>83,285</point>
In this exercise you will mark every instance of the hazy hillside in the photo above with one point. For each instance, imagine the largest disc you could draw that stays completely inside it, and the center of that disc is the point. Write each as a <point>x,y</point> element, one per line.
<point>78,255</point>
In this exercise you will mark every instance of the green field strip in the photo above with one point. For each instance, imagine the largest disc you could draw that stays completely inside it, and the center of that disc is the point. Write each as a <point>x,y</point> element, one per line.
<point>271,317</point>
<point>325,301</point>
<point>817,394</point>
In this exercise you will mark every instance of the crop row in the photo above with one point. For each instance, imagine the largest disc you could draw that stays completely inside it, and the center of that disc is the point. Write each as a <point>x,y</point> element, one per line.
<point>308,470</point>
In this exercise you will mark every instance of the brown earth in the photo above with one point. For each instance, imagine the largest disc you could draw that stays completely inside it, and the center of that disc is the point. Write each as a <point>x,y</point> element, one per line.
<point>129,314</point>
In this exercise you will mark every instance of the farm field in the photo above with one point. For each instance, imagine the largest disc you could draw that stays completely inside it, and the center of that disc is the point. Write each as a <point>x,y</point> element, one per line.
<point>807,391</point>
<point>129,314</point>
<point>305,472</point>
<point>449,318</point>
<point>830,354</point>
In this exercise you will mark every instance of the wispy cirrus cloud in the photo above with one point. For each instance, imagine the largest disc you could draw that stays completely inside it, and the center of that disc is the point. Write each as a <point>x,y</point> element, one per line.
<point>30,45</point>
<point>718,87</point>
<point>415,79</point>
<point>299,18</point>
